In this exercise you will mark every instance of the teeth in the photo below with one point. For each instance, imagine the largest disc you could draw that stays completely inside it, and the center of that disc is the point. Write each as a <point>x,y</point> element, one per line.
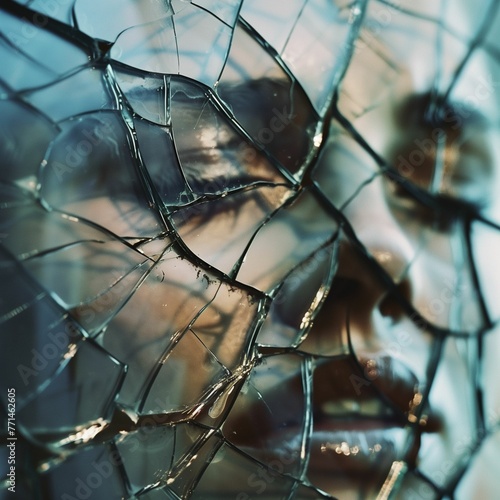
<point>371,444</point>
<point>366,408</point>
<point>343,448</point>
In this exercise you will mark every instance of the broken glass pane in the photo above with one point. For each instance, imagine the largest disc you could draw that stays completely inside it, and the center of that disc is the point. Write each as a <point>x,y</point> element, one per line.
<point>189,42</point>
<point>249,249</point>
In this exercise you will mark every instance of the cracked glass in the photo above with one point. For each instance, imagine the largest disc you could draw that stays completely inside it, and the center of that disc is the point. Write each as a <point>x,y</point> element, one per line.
<point>249,249</point>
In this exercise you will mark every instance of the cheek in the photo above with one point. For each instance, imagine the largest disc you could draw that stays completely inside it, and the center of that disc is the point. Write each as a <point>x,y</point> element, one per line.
<point>444,289</point>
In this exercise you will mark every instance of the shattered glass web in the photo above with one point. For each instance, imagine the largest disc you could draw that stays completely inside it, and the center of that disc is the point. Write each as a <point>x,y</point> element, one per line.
<point>161,273</point>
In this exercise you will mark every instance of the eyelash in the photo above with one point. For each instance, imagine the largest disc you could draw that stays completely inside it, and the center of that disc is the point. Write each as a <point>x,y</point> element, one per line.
<point>444,212</point>
<point>204,211</point>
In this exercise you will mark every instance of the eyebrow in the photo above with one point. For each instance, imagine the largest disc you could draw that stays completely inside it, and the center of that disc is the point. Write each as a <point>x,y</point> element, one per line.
<point>429,109</point>
<point>256,95</point>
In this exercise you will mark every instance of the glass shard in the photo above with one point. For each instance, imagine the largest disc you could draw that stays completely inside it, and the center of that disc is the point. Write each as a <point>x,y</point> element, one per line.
<point>249,249</point>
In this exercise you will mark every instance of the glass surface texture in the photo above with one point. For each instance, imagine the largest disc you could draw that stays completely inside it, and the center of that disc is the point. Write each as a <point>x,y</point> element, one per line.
<point>249,249</point>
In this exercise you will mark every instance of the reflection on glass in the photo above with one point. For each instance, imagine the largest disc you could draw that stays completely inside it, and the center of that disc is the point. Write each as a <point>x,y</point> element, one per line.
<point>249,250</point>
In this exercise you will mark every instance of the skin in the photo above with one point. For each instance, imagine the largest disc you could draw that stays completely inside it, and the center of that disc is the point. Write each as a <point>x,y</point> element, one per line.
<point>340,316</point>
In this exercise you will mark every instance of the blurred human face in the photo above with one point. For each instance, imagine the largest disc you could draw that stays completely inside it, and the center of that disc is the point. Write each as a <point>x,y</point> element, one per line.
<point>275,268</point>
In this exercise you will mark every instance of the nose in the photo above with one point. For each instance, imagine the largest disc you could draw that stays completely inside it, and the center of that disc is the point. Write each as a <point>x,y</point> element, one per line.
<point>371,282</point>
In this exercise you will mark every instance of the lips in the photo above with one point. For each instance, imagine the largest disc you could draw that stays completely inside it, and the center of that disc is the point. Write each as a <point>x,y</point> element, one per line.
<point>360,414</point>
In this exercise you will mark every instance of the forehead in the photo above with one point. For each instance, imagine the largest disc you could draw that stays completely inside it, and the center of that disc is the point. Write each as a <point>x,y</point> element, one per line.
<point>364,45</point>
<point>321,42</point>
<point>374,50</point>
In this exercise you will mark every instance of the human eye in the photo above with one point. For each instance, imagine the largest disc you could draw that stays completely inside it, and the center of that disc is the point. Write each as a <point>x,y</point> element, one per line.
<point>441,163</point>
<point>223,168</point>
<point>215,156</point>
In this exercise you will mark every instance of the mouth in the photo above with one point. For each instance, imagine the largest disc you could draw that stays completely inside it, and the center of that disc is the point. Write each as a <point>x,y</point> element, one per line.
<point>356,419</point>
